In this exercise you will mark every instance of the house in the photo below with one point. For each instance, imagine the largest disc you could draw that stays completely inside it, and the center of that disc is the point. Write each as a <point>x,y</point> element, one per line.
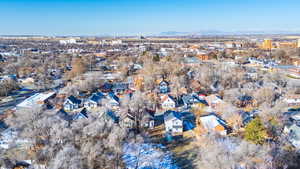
<point>148,119</point>
<point>292,128</point>
<point>113,116</point>
<point>292,100</point>
<point>190,99</point>
<point>247,116</point>
<point>112,100</point>
<point>214,101</point>
<point>244,101</point>
<point>8,78</point>
<point>80,115</point>
<point>189,121</point>
<point>167,102</point>
<point>255,61</point>
<point>173,122</point>
<point>203,55</point>
<point>106,87</point>
<point>251,75</point>
<point>127,121</point>
<point>191,61</point>
<point>94,101</point>
<point>163,87</point>
<point>72,103</point>
<point>216,86</point>
<point>135,67</point>
<point>120,88</point>
<point>212,123</point>
<point>21,165</point>
<point>64,115</point>
<point>293,134</point>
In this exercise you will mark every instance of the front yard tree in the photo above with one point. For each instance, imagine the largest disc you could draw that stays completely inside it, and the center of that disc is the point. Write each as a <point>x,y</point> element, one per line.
<point>255,131</point>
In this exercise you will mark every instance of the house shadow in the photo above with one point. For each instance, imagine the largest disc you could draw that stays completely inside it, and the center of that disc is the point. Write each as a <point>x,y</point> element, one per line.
<point>185,158</point>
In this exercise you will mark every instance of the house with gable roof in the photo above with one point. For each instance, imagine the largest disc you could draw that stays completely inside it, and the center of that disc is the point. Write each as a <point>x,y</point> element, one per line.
<point>173,122</point>
<point>94,100</point>
<point>64,115</point>
<point>213,123</point>
<point>245,100</point>
<point>292,128</point>
<point>214,101</point>
<point>113,100</point>
<point>167,102</point>
<point>80,115</point>
<point>111,115</point>
<point>188,100</point>
<point>72,103</point>
<point>163,87</point>
<point>127,121</point>
<point>292,99</point>
<point>120,88</point>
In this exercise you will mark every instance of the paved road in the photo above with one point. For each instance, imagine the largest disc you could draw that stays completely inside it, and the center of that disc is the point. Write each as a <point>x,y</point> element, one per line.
<point>18,98</point>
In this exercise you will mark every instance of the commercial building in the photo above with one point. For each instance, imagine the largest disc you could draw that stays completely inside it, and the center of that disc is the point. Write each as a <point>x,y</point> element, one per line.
<point>267,44</point>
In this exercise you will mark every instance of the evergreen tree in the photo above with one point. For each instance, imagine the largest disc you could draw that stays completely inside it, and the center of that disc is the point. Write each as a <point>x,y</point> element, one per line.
<point>255,131</point>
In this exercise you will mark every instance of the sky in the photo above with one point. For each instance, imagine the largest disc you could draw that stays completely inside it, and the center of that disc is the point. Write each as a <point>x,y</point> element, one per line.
<point>145,17</point>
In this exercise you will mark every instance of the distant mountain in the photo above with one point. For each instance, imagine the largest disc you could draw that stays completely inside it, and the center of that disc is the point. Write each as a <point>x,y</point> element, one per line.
<point>234,32</point>
<point>174,33</point>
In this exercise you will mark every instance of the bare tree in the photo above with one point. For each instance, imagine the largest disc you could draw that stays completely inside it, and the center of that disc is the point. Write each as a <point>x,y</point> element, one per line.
<point>68,158</point>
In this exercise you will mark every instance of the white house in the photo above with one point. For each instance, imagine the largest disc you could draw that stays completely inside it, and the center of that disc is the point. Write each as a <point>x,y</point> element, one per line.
<point>214,101</point>
<point>173,122</point>
<point>112,101</point>
<point>94,100</point>
<point>167,102</point>
<point>212,123</point>
<point>292,100</point>
<point>72,103</point>
<point>293,134</point>
<point>127,121</point>
<point>292,129</point>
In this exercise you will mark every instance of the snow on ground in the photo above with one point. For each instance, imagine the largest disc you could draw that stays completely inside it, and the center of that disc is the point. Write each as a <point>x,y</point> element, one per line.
<point>147,156</point>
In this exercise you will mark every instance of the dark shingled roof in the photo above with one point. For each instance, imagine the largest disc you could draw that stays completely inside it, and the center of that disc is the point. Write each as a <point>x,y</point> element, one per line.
<point>113,96</point>
<point>73,99</point>
<point>64,115</point>
<point>96,97</point>
<point>169,114</point>
<point>81,114</point>
<point>245,98</point>
<point>113,116</point>
<point>120,86</point>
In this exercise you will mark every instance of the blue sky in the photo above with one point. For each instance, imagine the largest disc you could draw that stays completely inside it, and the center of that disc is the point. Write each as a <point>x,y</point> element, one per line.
<point>133,17</point>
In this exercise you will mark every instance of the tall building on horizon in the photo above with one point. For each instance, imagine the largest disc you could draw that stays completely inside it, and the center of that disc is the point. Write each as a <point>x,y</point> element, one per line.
<point>298,43</point>
<point>267,44</point>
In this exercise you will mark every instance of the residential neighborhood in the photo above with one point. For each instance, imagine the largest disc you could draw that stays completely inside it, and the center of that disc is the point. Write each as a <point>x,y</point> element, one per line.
<point>147,90</point>
<point>105,85</point>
